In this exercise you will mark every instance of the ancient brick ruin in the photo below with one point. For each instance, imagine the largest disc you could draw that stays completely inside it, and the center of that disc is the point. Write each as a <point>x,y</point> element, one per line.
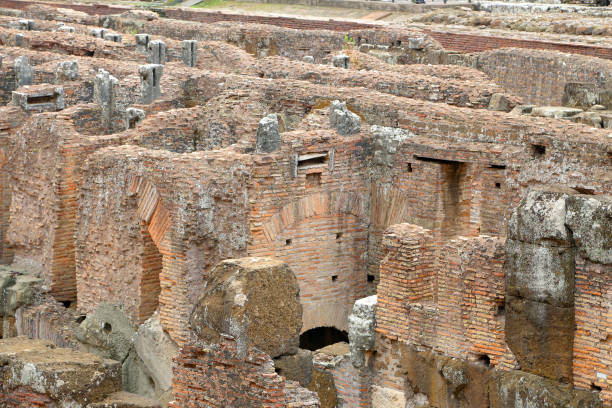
<point>200,209</point>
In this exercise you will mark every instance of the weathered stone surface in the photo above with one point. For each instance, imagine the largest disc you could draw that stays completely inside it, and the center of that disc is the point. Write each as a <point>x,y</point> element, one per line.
<point>499,102</point>
<point>150,75</point>
<point>189,53</point>
<point>66,71</point>
<point>39,98</point>
<point>142,42</point>
<point>593,119</point>
<point>124,399</point>
<point>522,109</point>
<point>323,384</point>
<point>156,52</point>
<point>296,367</point>
<point>341,61</point>
<point>256,301</point>
<point>308,58</point>
<point>68,377</point>
<point>580,95</point>
<point>97,32</point>
<point>557,112</point>
<point>387,398</point>
<point>134,117</point>
<point>519,389</point>
<point>17,288</point>
<point>23,71</point>
<point>416,43</point>
<point>541,273</point>
<point>590,219</point>
<point>66,29</point>
<point>362,323</point>
<point>105,95</point>
<point>113,37</point>
<point>343,120</point>
<point>156,350</point>
<point>268,135</point>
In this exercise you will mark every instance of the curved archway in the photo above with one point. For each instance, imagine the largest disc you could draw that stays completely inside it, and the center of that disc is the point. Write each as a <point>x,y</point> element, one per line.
<point>319,337</point>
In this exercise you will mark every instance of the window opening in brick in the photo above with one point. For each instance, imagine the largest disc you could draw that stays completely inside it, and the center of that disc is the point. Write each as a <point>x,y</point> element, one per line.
<point>334,278</point>
<point>595,387</point>
<point>497,185</point>
<point>66,303</point>
<point>370,278</point>
<point>338,235</point>
<point>38,100</point>
<point>288,241</point>
<point>319,337</point>
<point>307,161</point>
<point>498,166</point>
<point>409,168</point>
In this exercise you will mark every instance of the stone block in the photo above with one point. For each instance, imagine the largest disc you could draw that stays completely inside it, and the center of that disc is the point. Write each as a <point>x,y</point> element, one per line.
<point>383,397</point>
<point>341,61</point>
<point>66,71</point>
<point>323,384</point>
<point>104,95</point>
<point>416,43</point>
<point>189,53</point>
<point>296,367</point>
<point>142,42</point>
<point>344,121</point>
<point>520,389</point>
<point>113,37</point>
<point>590,220</point>
<point>134,117</point>
<point>268,135</point>
<point>97,32</point>
<point>66,29</point>
<point>499,102</point>
<point>23,71</point>
<point>156,52</point>
<point>557,112</point>
<point>580,95</point>
<point>19,40</point>
<point>522,109</point>
<point>124,399</point>
<point>541,337</point>
<point>150,76</point>
<point>592,119</point>
<point>254,300</point>
<point>23,24</point>
<point>361,324</point>
<point>540,272</point>
<point>39,98</point>
<point>308,58</point>
<point>156,350</point>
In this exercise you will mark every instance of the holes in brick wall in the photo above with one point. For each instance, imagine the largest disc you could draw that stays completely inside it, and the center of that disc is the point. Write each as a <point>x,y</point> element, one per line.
<point>313,180</point>
<point>307,161</point>
<point>90,53</point>
<point>334,278</point>
<point>498,166</point>
<point>484,359</point>
<point>80,319</point>
<point>108,328</point>
<point>288,241</point>
<point>41,99</point>
<point>595,387</point>
<point>371,278</point>
<point>583,190</point>
<point>319,337</point>
<point>497,185</point>
<point>500,310</point>
<point>538,151</point>
<point>66,303</point>
<point>409,168</point>
<point>338,235</point>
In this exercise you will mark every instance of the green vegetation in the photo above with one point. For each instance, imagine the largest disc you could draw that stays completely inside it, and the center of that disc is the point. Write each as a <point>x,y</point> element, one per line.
<point>210,4</point>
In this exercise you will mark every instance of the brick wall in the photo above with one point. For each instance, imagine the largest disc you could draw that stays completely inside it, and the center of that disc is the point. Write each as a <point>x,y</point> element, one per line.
<point>593,338</point>
<point>217,375</point>
<point>540,76</point>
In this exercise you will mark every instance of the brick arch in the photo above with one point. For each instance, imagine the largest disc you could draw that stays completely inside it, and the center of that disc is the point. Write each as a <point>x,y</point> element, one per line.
<point>314,205</point>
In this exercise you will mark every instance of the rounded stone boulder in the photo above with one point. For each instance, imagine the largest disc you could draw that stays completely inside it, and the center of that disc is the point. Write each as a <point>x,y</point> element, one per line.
<point>255,300</point>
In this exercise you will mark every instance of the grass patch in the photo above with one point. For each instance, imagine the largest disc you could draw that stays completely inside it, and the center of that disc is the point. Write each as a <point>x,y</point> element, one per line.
<point>210,4</point>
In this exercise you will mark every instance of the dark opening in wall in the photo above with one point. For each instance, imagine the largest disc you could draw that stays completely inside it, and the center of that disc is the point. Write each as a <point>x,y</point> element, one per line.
<point>307,161</point>
<point>80,319</point>
<point>409,168</point>
<point>370,278</point>
<point>107,328</point>
<point>319,337</point>
<point>334,278</point>
<point>538,150</point>
<point>497,185</point>
<point>90,53</point>
<point>66,303</point>
<point>486,360</point>
<point>38,100</point>
<point>498,166</point>
<point>338,235</point>
<point>583,190</point>
<point>595,387</point>
<point>500,309</point>
<point>288,241</point>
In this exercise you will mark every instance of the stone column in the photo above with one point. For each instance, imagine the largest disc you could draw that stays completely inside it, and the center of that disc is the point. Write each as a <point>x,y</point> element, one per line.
<point>97,32</point>
<point>157,52</point>
<point>268,136</point>
<point>23,71</point>
<point>134,117</point>
<point>190,53</point>
<point>104,95</point>
<point>142,42</point>
<point>150,75</point>
<point>66,71</point>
